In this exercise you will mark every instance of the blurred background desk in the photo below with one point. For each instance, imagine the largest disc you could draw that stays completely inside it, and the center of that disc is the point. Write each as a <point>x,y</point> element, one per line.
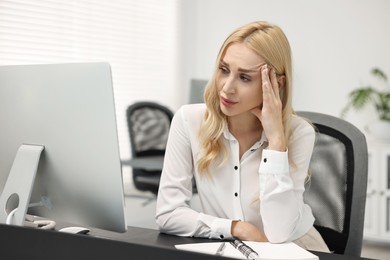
<point>146,172</point>
<point>150,163</point>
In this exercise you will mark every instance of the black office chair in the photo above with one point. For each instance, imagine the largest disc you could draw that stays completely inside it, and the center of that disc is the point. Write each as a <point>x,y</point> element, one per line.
<point>337,189</point>
<point>148,125</point>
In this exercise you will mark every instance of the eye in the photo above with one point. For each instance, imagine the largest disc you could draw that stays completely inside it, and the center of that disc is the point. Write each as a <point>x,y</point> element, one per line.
<point>224,70</point>
<point>245,78</point>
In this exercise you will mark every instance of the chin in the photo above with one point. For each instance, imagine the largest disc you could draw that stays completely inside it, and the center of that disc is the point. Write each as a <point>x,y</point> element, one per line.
<point>228,112</point>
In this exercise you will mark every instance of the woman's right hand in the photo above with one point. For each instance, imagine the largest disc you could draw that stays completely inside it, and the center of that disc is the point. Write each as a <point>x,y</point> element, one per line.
<point>271,112</point>
<point>247,232</point>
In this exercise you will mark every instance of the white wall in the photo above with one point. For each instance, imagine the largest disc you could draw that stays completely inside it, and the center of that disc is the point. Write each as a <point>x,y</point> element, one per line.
<point>335,43</point>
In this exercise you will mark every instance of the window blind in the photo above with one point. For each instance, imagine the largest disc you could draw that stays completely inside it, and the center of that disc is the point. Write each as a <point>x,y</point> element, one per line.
<point>138,39</point>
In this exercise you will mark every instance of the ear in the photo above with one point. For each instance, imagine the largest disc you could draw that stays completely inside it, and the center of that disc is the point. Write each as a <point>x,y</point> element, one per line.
<point>281,82</point>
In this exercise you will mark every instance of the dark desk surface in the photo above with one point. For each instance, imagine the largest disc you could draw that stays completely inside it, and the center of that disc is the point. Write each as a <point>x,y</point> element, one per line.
<point>136,243</point>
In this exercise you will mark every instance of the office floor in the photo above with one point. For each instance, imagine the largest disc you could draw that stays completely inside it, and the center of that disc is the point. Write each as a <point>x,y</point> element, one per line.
<point>140,210</point>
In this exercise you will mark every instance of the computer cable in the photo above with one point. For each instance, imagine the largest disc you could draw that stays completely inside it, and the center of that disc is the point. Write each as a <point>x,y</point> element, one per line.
<point>30,220</point>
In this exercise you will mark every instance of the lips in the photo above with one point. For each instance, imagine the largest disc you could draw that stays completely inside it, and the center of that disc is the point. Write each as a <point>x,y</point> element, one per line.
<point>227,102</point>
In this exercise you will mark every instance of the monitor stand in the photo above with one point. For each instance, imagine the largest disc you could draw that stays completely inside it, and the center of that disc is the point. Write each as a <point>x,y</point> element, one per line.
<point>18,188</point>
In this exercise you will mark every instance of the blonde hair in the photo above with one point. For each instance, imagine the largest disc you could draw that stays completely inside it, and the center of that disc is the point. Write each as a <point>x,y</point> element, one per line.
<point>269,42</point>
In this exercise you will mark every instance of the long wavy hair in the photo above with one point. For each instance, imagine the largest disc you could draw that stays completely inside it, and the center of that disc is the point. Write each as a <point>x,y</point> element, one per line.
<point>269,42</point>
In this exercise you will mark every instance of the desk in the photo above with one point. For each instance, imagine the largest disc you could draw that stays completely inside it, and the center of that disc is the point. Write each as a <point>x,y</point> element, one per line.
<point>147,163</point>
<point>136,243</point>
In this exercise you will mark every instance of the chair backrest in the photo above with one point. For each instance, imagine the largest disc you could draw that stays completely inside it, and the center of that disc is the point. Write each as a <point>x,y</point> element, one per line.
<point>148,125</point>
<point>337,188</point>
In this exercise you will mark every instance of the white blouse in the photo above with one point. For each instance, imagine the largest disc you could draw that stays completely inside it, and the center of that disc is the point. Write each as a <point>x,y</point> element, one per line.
<point>264,188</point>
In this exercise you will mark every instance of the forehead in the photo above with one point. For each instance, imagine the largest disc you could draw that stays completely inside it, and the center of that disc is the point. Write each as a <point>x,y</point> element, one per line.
<point>238,54</point>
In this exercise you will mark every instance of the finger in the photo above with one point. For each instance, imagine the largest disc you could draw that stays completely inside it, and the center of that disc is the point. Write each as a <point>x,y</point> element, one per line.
<point>264,75</point>
<point>266,83</point>
<point>270,98</point>
<point>274,82</point>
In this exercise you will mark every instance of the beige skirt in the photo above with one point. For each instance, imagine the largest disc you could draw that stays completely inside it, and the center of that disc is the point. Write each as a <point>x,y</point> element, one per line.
<point>312,240</point>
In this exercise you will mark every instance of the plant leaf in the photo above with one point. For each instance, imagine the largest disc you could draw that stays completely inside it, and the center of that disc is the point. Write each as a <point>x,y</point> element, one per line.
<point>360,97</point>
<point>379,73</point>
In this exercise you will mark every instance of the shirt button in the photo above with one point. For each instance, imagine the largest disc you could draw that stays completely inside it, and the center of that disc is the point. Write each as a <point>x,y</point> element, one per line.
<point>265,160</point>
<point>236,168</point>
<point>236,194</point>
<point>221,236</point>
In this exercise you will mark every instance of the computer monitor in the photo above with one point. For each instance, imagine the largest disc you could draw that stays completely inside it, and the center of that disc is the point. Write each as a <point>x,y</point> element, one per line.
<point>196,90</point>
<point>59,136</point>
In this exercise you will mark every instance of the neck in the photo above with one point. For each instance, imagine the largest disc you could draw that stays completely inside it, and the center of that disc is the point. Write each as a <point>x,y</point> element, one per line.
<point>244,124</point>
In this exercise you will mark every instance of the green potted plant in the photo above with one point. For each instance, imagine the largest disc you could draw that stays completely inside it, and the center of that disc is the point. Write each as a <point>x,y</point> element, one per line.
<point>380,99</point>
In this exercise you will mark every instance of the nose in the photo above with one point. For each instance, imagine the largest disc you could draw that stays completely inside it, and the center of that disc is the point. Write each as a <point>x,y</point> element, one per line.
<point>229,85</point>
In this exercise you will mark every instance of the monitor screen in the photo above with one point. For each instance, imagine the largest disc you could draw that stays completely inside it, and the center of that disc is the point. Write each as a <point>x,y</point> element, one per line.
<point>197,88</point>
<point>68,109</point>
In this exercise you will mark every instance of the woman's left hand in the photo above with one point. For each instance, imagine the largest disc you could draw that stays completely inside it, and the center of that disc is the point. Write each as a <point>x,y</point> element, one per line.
<point>270,114</point>
<point>247,231</point>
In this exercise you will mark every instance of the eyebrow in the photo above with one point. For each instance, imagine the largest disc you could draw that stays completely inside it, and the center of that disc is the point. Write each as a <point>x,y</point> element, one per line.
<point>242,69</point>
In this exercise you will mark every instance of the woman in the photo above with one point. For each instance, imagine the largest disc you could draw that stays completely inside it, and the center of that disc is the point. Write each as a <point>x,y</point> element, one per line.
<point>248,152</point>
